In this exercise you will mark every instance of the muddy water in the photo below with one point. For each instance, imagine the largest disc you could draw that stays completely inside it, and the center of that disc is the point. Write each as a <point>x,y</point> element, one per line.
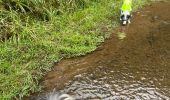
<point>118,84</point>
<point>136,66</point>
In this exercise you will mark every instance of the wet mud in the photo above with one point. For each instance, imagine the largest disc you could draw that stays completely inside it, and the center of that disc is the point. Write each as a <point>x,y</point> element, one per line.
<point>136,66</point>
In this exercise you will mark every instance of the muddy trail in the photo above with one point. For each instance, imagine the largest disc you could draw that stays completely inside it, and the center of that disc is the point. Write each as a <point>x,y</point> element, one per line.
<point>134,67</point>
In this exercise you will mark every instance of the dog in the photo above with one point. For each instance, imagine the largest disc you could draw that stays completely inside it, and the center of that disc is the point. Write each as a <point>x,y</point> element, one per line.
<point>125,17</point>
<point>53,96</point>
<point>126,9</point>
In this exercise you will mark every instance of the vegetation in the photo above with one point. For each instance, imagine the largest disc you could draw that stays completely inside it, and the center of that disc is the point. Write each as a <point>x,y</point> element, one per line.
<point>35,34</point>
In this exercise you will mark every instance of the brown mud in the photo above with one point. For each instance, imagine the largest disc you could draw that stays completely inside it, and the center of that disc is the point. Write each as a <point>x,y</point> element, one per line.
<point>134,67</point>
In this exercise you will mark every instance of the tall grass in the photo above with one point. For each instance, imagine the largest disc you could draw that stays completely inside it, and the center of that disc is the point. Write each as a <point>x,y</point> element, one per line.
<point>37,33</point>
<point>46,8</point>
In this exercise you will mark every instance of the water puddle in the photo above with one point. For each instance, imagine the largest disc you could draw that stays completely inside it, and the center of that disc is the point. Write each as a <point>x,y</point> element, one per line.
<point>108,83</point>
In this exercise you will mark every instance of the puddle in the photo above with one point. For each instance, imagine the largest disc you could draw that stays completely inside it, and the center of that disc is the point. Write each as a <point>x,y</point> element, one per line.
<point>117,84</point>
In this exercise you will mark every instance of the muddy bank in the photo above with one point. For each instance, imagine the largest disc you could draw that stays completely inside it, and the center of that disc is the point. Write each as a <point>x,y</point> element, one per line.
<point>136,67</point>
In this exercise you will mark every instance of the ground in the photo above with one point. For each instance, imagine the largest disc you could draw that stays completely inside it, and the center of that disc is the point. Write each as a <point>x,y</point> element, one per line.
<point>142,57</point>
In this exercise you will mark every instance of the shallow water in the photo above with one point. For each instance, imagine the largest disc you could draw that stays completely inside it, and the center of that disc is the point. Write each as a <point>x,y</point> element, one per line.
<point>108,83</point>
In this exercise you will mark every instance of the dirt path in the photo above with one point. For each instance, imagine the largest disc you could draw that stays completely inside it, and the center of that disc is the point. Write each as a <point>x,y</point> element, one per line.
<point>144,54</point>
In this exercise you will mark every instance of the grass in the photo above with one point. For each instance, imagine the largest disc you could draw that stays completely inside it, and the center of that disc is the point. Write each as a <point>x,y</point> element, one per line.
<point>36,34</point>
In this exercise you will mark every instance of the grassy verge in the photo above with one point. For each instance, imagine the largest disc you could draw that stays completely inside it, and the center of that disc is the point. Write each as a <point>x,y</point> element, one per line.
<point>31,40</point>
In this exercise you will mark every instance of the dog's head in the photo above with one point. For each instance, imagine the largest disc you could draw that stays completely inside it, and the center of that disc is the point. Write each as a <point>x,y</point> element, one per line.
<point>125,16</point>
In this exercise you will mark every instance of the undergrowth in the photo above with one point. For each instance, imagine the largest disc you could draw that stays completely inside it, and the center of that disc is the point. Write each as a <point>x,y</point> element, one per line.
<point>37,33</point>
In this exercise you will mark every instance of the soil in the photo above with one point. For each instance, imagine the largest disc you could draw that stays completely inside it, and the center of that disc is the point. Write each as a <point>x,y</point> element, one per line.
<point>144,51</point>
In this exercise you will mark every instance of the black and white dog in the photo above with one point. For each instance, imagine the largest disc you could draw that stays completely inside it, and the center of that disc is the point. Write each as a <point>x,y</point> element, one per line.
<point>126,9</point>
<point>125,17</point>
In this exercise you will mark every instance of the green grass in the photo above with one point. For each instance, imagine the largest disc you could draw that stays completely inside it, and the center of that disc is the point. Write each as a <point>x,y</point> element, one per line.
<point>35,35</point>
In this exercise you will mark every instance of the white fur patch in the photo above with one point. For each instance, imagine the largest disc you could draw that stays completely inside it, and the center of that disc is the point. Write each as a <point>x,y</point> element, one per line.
<point>124,22</point>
